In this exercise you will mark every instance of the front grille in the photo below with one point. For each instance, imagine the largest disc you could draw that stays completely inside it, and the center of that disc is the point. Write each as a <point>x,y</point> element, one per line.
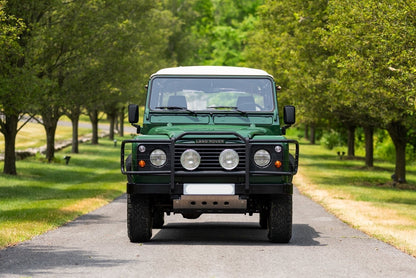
<point>209,156</point>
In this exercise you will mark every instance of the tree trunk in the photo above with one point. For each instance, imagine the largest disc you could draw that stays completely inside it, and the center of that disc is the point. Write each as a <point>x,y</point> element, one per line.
<point>74,115</point>
<point>312,135</point>
<point>50,123</point>
<point>398,134</point>
<point>351,141</point>
<point>121,123</point>
<point>75,143</point>
<point>112,118</point>
<point>50,142</point>
<point>50,117</point>
<point>93,114</point>
<point>9,130</point>
<point>369,146</point>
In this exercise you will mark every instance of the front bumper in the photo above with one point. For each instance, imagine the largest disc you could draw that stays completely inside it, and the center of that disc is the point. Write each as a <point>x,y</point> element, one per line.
<point>172,177</point>
<point>240,189</point>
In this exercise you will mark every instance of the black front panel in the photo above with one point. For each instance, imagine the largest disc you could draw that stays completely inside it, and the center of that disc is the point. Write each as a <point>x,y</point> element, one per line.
<point>210,154</point>
<point>145,156</point>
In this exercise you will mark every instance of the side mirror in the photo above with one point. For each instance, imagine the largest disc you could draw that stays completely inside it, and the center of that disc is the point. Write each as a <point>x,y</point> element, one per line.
<point>289,115</point>
<point>133,113</point>
<point>134,116</point>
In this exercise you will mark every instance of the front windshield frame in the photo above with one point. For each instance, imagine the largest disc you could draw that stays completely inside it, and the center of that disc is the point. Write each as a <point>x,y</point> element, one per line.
<point>248,94</point>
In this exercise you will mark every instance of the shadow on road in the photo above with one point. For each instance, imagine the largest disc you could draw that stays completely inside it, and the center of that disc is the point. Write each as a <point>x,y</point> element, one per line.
<point>232,233</point>
<point>41,260</point>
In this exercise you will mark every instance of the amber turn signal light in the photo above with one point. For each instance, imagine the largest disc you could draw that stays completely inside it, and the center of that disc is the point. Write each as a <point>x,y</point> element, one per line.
<point>278,164</point>
<point>142,163</point>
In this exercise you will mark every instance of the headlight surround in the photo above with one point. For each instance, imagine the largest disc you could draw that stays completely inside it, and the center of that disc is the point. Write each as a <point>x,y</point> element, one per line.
<point>262,158</point>
<point>158,158</point>
<point>190,159</point>
<point>229,159</point>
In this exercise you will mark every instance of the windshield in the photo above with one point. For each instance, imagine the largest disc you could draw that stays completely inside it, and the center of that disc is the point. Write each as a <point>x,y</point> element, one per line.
<point>201,94</point>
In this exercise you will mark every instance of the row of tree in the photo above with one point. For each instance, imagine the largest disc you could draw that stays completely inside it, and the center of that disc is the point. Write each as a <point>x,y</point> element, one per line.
<point>66,57</point>
<point>70,57</point>
<point>346,64</point>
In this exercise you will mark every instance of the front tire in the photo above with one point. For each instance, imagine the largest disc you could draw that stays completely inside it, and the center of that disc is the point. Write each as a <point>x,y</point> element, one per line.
<point>280,219</point>
<point>129,168</point>
<point>139,218</point>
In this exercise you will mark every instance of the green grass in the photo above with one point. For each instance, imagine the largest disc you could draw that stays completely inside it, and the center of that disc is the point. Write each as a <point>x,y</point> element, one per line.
<point>366,198</point>
<point>44,196</point>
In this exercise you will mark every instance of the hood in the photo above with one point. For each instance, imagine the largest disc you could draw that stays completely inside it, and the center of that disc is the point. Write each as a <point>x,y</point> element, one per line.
<point>176,130</point>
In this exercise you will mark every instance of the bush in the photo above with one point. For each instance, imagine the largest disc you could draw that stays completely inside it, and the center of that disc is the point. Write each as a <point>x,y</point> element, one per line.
<point>385,150</point>
<point>330,140</point>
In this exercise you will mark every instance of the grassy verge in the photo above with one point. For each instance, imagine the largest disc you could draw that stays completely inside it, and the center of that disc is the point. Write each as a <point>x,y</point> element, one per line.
<point>364,198</point>
<point>44,196</point>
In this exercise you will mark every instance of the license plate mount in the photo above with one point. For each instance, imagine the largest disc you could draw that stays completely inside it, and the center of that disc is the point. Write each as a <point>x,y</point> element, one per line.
<point>209,189</point>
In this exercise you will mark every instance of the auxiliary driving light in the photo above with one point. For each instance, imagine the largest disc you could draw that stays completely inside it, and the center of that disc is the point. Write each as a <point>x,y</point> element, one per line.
<point>190,159</point>
<point>229,159</point>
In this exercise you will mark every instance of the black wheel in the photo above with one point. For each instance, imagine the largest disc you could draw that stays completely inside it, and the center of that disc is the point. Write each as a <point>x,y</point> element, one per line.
<point>139,218</point>
<point>264,215</point>
<point>158,219</point>
<point>280,219</point>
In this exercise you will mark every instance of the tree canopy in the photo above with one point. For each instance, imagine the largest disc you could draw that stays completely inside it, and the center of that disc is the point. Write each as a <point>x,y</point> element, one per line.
<point>344,64</point>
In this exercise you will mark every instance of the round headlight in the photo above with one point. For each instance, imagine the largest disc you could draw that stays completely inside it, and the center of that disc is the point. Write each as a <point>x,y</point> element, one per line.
<point>229,159</point>
<point>158,158</point>
<point>262,158</point>
<point>190,159</point>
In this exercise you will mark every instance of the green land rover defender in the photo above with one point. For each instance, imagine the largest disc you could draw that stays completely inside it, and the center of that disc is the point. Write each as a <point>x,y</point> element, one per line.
<point>211,142</point>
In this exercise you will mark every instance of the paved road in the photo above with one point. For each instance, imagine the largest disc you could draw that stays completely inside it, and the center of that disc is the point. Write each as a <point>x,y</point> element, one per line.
<point>96,245</point>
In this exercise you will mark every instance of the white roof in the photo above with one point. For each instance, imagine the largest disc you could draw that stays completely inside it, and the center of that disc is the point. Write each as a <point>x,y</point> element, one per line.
<point>212,70</point>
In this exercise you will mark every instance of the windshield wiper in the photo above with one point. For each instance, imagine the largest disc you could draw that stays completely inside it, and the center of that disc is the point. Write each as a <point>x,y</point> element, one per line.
<point>176,108</point>
<point>229,107</point>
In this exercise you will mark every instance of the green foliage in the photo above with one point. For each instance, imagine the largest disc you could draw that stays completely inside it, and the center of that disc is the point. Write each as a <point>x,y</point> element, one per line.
<point>189,42</point>
<point>348,63</point>
<point>11,28</point>
<point>330,139</point>
<point>11,54</point>
<point>339,62</point>
<point>65,56</point>
<point>234,20</point>
<point>210,32</point>
<point>364,40</point>
<point>286,42</point>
